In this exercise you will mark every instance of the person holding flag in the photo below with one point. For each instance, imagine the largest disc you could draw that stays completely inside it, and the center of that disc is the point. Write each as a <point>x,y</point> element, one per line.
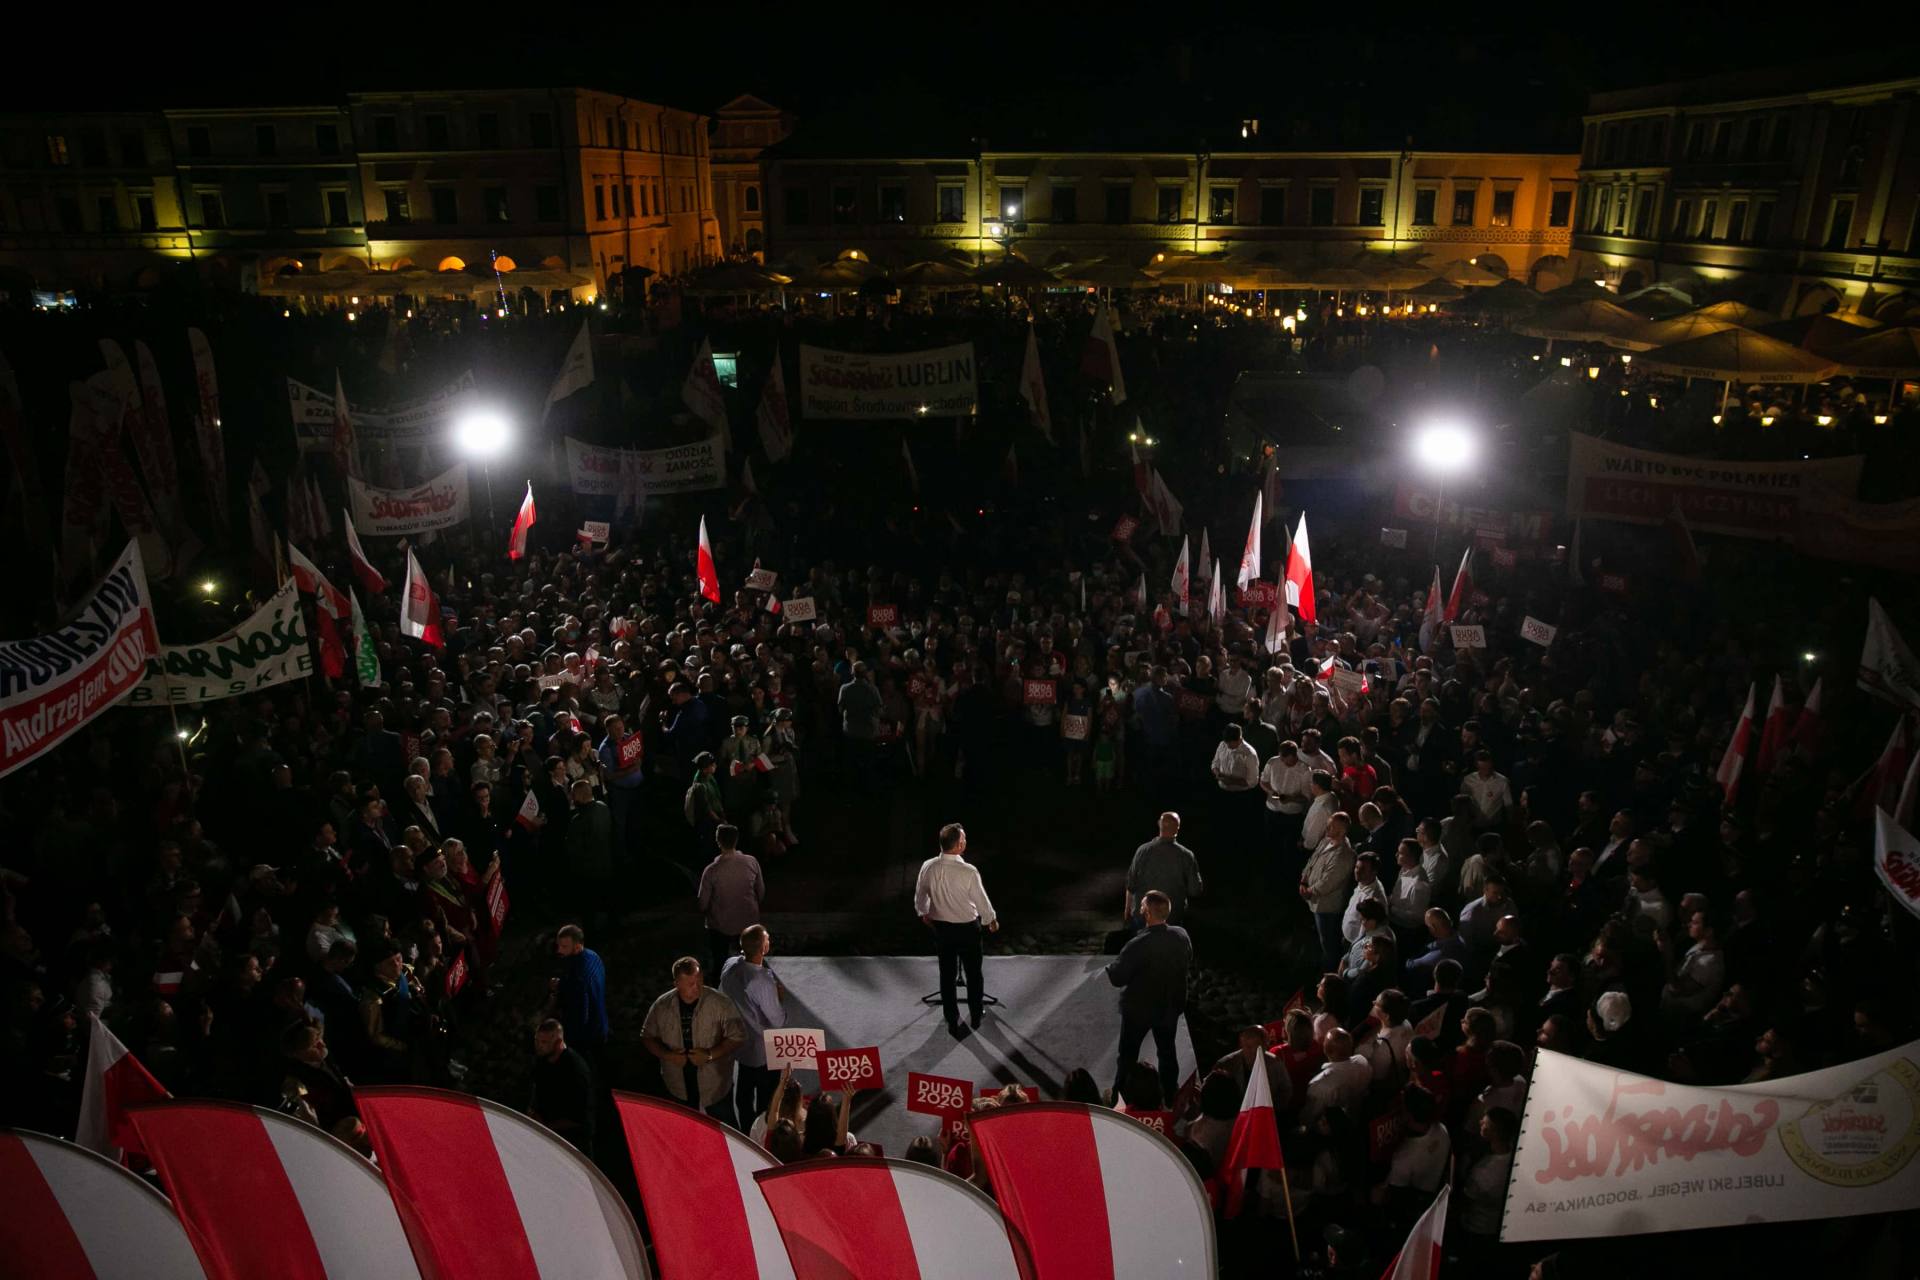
<point>517,541</point>
<point>1299,579</point>
<point>420,607</point>
<point>704,567</point>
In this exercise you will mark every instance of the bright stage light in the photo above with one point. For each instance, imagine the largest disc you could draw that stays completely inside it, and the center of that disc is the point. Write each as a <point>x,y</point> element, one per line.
<point>482,433</point>
<point>1444,448</point>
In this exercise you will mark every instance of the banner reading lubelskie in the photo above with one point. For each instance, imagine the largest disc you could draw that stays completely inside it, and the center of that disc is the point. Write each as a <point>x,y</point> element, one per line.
<point>596,471</point>
<point>53,684</point>
<point>269,648</point>
<point>1605,1152</point>
<point>1717,495</point>
<point>440,503</point>
<point>939,382</point>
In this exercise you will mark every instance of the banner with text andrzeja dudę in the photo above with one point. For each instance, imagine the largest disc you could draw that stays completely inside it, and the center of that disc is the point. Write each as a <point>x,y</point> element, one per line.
<point>1607,1153</point>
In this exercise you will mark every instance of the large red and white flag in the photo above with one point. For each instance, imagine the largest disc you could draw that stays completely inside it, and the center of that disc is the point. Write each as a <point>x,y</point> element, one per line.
<point>109,410</point>
<point>1462,587</point>
<point>69,1214</point>
<point>1253,1144</point>
<point>420,607</point>
<point>1033,387</point>
<point>703,566</point>
<point>1434,616</point>
<point>1887,667</point>
<point>263,1194</point>
<point>1419,1257</point>
<point>701,393</point>
<point>370,578</point>
<point>1095,1195</point>
<point>1300,573</point>
<point>307,576</point>
<point>484,1191</point>
<point>1100,362</point>
<point>1182,583</point>
<point>576,371</point>
<point>1250,556</point>
<point>1806,725</point>
<point>1879,786</point>
<point>1735,760</point>
<point>696,1185</point>
<point>206,426</point>
<point>865,1219</point>
<point>517,543</point>
<point>115,1081</point>
<point>1773,731</point>
<point>773,417</point>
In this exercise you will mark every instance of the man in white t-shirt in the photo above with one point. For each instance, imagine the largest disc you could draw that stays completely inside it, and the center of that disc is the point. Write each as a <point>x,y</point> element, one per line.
<point>1342,1082</point>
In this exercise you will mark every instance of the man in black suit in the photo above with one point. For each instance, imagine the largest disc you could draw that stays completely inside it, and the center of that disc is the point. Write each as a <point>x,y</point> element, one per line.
<point>1563,995</point>
<point>1151,972</point>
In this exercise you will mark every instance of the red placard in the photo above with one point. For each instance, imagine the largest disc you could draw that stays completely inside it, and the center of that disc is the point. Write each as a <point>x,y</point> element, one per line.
<point>938,1095</point>
<point>1260,594</point>
<point>883,615</point>
<point>497,901</point>
<point>410,746</point>
<point>630,750</point>
<point>854,1069</point>
<point>1504,557</point>
<point>1039,693</point>
<point>457,975</point>
<point>1191,705</point>
<point>1123,528</point>
<point>1160,1122</point>
<point>1383,1135</point>
<point>1615,583</point>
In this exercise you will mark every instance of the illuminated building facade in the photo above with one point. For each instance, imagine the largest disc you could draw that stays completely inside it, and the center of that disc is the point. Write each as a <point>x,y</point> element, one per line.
<point>742,129</point>
<point>1756,187</point>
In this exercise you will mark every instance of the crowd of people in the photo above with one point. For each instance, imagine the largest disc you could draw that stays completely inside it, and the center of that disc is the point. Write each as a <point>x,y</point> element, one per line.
<point>1459,857</point>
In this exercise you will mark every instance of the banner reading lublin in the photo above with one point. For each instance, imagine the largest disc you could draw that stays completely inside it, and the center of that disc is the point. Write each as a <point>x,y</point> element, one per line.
<point>940,382</point>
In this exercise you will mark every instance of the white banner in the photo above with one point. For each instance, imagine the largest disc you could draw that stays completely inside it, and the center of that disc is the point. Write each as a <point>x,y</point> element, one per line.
<point>1606,1152</point>
<point>440,503</point>
<point>411,422</point>
<point>1896,860</point>
<point>595,471</point>
<point>796,1047</point>
<point>940,382</point>
<point>267,649</point>
<point>1715,495</point>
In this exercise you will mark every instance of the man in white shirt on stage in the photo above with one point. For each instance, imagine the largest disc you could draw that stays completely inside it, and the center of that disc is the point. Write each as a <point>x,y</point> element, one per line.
<point>950,899</point>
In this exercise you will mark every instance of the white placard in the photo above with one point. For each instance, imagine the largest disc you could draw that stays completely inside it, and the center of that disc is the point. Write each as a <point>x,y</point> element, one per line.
<point>761,580</point>
<point>597,532</point>
<point>799,609</point>
<point>1469,637</point>
<point>1541,633</point>
<point>796,1047</point>
<point>1393,538</point>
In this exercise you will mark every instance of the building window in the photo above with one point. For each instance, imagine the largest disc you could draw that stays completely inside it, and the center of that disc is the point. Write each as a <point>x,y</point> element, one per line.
<point>386,133</point>
<point>951,199</point>
<point>1722,139</point>
<point>133,150</point>
<point>446,206</point>
<point>266,140</point>
<point>1560,208</point>
<point>799,207</point>
<point>279,212</point>
<point>1620,199</point>
<point>600,203</point>
<point>1066,204</point>
<point>199,143</point>
<point>1169,206</point>
<point>143,213</point>
<point>1737,222</point>
<point>1273,206</point>
<point>1643,212</point>
<point>846,203</point>
<point>1682,218</point>
<point>893,202</point>
<point>1220,204</point>
<point>1013,202</point>
<point>337,212</point>
<point>546,203</point>
<point>93,149</point>
<point>1373,206</point>
<point>659,205</point>
<point>487,128</point>
<point>1502,209</point>
<point>495,202</point>
<point>751,196</point>
<point>1610,142</point>
<point>646,210</point>
<point>1424,201</point>
<point>1657,141</point>
<point>1709,214</point>
<point>398,210</point>
<point>626,194</point>
<point>1320,207</point>
<point>213,211</point>
<point>1119,203</point>
<point>68,210</point>
<point>326,139</point>
<point>1636,139</point>
<point>437,134</point>
<point>1763,222</point>
<point>1840,223</point>
<point>1465,200</point>
<point>107,211</point>
<point>1781,143</point>
<point>606,134</point>
<point>1696,139</point>
<point>540,128</point>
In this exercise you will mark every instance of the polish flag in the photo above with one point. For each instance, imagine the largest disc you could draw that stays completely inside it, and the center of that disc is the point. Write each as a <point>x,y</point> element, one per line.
<point>1462,587</point>
<point>1806,725</point>
<point>1879,786</point>
<point>1419,1257</point>
<point>1182,580</point>
<point>1253,1144</point>
<point>307,577</point>
<point>1434,616</point>
<point>71,1214</point>
<point>1773,733</point>
<point>529,815</point>
<point>1731,764</point>
<point>1276,639</point>
<point>696,1186</point>
<point>866,1219</point>
<point>1095,1194</point>
<point>1250,557</point>
<point>517,544</point>
<point>420,607</point>
<point>263,1194</point>
<point>703,565</point>
<point>1100,361</point>
<point>484,1191</point>
<point>115,1081</point>
<point>363,569</point>
<point>1033,387</point>
<point>1300,573</point>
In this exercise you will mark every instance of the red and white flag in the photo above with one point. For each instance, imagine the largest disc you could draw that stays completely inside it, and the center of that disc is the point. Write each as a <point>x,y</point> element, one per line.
<point>1182,582</point>
<point>1095,1195</point>
<point>1276,638</point>
<point>1879,786</point>
<point>1300,573</point>
<point>484,1191</point>
<point>73,1215</point>
<point>1419,1257</point>
<point>370,577</point>
<point>307,576</point>
<point>1806,725</point>
<point>1033,387</point>
<point>1735,760</point>
<point>529,814</point>
<point>1462,587</point>
<point>1434,616</point>
<point>1168,511</point>
<point>263,1194</point>
<point>1253,1144</point>
<point>1250,557</point>
<point>865,1219</point>
<point>1100,362</point>
<point>696,1185</point>
<point>1216,598</point>
<point>701,392</point>
<point>1773,731</point>
<point>772,417</point>
<point>703,566</point>
<point>115,1080</point>
<point>420,607</point>
<point>517,543</point>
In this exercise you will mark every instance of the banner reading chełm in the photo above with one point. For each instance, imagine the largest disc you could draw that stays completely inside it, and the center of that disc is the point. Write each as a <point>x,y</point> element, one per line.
<point>1749,499</point>
<point>939,382</point>
<point>267,649</point>
<point>596,471</point>
<point>439,503</point>
<point>50,685</point>
<point>1606,1152</point>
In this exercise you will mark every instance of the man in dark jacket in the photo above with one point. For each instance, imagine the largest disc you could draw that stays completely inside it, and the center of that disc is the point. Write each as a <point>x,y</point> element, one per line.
<point>1151,972</point>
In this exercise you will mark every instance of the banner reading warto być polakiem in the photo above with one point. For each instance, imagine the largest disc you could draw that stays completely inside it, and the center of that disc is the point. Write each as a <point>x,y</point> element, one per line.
<point>1606,1152</point>
<point>940,382</point>
<point>269,648</point>
<point>1717,495</point>
<point>439,503</point>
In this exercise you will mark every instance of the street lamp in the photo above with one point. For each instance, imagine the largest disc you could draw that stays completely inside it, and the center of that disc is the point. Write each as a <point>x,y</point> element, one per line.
<point>1443,448</point>
<point>483,434</point>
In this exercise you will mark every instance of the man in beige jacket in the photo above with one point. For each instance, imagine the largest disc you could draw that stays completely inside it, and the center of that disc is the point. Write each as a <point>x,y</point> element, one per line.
<point>1324,883</point>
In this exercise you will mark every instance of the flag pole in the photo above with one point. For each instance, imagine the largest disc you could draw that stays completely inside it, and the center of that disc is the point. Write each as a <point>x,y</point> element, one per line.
<point>1286,1191</point>
<point>180,745</point>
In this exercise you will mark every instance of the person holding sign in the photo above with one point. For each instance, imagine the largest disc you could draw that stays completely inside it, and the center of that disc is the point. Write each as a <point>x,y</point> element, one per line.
<point>623,768</point>
<point>950,899</point>
<point>695,1030</point>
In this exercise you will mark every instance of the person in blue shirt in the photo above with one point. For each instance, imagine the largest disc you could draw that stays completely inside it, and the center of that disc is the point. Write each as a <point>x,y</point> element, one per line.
<point>1159,721</point>
<point>623,785</point>
<point>748,981</point>
<point>686,725</point>
<point>579,994</point>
